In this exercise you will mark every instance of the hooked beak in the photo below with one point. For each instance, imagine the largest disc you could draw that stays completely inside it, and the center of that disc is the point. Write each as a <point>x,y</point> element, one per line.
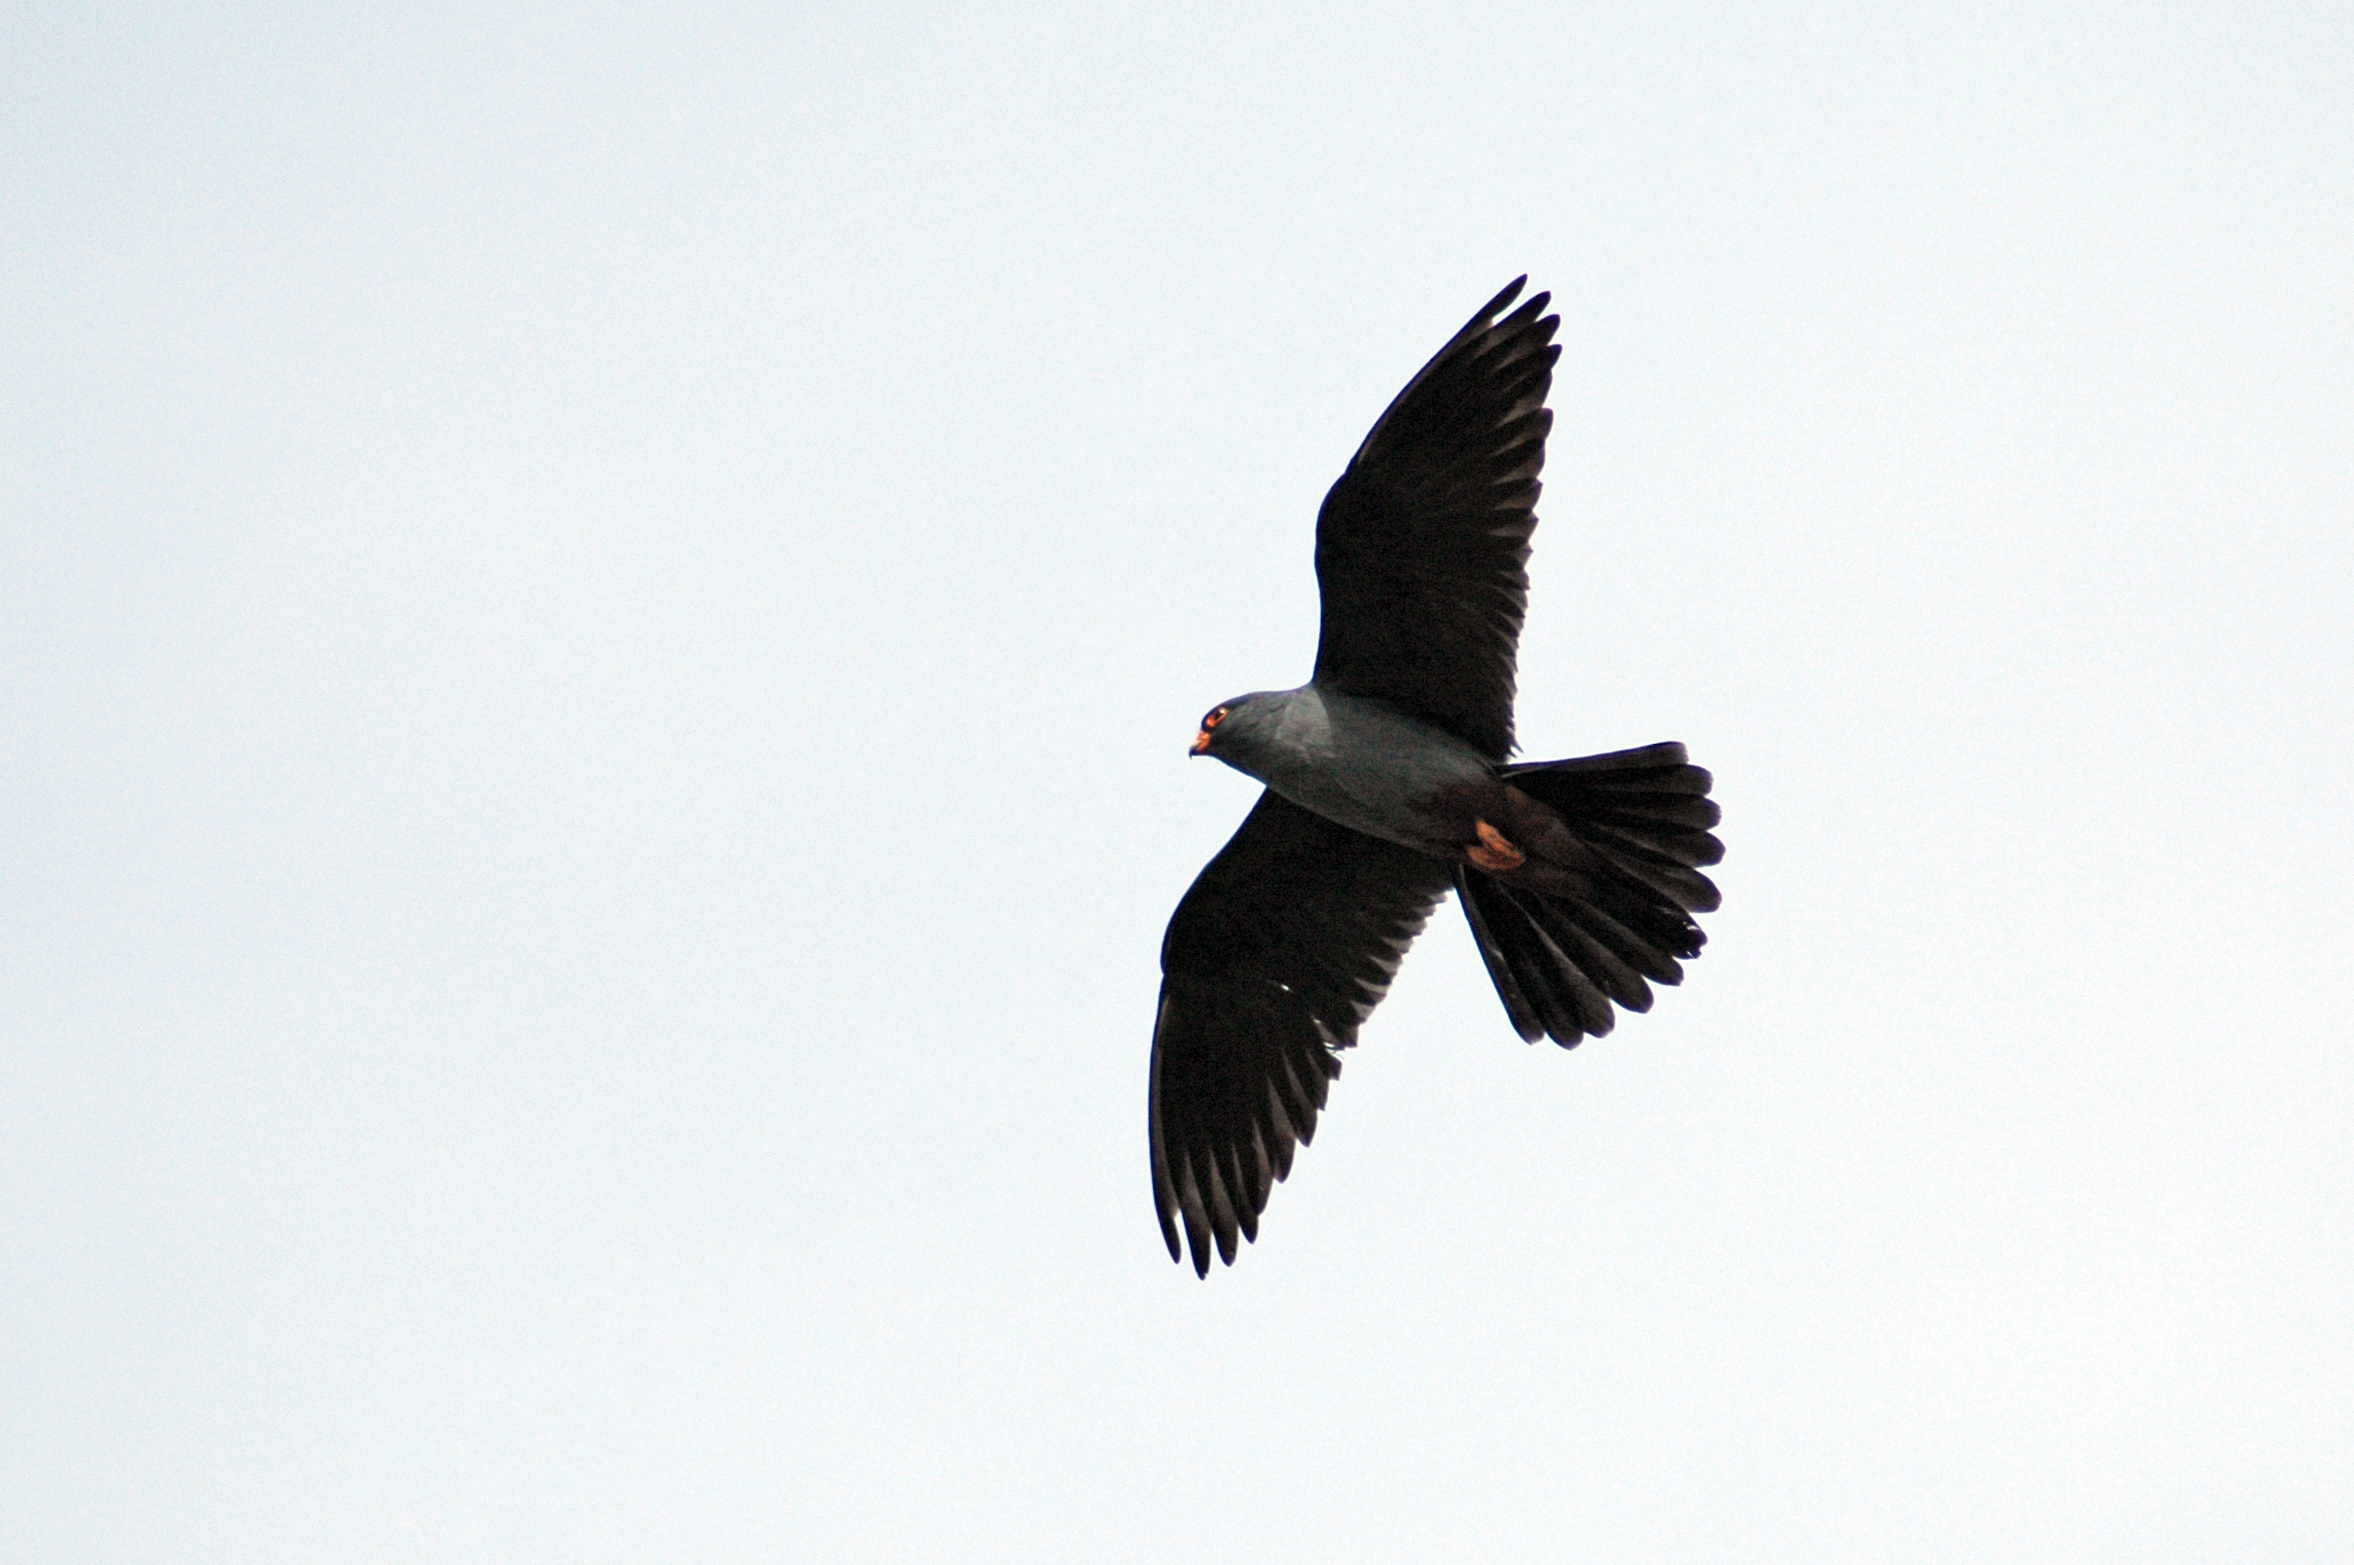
<point>1201,743</point>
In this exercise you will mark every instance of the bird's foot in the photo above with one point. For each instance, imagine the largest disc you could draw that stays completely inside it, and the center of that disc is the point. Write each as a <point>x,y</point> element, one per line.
<point>1495,852</point>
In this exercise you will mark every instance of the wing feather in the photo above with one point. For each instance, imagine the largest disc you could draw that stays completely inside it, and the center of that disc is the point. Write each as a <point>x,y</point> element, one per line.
<point>1284,945</point>
<point>1422,545</point>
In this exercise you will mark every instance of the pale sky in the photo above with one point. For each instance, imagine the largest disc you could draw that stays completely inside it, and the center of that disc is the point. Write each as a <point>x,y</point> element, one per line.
<point>602,615</point>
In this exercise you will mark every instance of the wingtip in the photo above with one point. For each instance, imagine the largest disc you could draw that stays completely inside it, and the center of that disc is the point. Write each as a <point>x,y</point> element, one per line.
<point>1169,1237</point>
<point>1510,293</point>
<point>1525,314</point>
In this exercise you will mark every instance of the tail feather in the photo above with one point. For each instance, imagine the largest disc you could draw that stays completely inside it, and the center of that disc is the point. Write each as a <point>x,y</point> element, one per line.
<point>1691,849</point>
<point>1496,955</point>
<point>1543,990</point>
<point>1619,972</point>
<point>1650,768</point>
<point>1560,959</point>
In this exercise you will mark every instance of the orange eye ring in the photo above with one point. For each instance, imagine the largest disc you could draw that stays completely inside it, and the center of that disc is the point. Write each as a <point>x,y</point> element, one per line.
<point>1201,740</point>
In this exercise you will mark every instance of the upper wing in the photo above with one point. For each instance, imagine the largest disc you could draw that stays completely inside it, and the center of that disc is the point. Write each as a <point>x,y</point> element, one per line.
<point>1422,545</point>
<point>1285,944</point>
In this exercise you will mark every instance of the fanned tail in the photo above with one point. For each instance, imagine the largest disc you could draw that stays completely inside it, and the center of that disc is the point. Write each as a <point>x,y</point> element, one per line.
<point>1561,960</point>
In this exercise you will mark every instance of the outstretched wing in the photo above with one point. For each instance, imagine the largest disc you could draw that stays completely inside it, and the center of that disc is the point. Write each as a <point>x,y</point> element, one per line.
<point>1286,942</point>
<point>1422,546</point>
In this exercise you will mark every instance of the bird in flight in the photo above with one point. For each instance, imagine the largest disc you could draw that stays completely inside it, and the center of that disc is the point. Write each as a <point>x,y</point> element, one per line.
<point>1387,783</point>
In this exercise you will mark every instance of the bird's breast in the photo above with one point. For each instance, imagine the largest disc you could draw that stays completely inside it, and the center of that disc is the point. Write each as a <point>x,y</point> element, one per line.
<point>1376,770</point>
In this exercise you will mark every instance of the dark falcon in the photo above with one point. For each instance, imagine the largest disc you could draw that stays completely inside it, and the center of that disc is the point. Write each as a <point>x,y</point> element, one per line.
<point>1387,783</point>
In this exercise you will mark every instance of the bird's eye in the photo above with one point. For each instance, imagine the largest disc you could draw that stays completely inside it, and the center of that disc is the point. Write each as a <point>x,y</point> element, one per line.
<point>1215,718</point>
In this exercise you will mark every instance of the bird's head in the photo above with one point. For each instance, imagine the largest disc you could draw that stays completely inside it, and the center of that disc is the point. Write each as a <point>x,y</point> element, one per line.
<point>1233,731</point>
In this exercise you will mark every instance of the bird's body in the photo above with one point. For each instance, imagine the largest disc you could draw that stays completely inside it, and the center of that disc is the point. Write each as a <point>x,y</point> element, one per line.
<point>1388,783</point>
<point>1354,760</point>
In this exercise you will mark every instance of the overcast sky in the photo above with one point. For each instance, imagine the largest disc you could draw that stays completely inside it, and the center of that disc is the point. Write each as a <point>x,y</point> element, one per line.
<point>600,615</point>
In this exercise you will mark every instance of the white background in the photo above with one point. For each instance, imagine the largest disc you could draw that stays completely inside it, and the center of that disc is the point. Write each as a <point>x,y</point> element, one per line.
<point>600,619</point>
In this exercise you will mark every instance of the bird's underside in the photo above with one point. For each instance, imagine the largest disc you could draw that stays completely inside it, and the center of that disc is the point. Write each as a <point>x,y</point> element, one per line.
<point>1580,879</point>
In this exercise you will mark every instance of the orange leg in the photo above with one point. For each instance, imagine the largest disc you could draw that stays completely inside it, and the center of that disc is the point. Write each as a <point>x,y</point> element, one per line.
<point>1495,852</point>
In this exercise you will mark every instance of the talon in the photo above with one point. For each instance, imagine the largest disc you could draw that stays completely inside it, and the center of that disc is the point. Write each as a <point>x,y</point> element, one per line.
<point>1495,852</point>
